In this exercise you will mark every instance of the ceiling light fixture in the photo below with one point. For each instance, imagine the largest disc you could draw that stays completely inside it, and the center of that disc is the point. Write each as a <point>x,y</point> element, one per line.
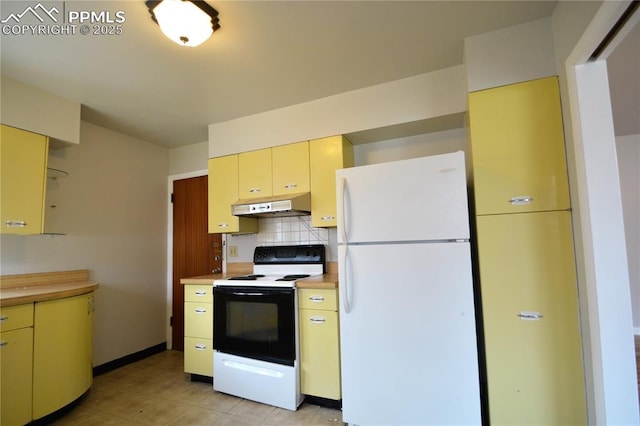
<point>186,22</point>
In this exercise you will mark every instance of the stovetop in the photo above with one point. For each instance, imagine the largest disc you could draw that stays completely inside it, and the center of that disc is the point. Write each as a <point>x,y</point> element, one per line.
<point>281,266</point>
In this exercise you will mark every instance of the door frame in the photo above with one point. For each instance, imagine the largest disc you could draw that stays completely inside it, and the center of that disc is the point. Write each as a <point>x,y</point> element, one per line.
<point>607,326</point>
<point>169,286</point>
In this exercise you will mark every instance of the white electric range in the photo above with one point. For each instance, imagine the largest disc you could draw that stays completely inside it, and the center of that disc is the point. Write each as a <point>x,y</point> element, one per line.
<point>256,353</point>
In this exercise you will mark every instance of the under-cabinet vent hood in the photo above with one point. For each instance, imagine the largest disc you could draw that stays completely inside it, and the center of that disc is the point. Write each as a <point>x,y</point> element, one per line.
<point>278,205</point>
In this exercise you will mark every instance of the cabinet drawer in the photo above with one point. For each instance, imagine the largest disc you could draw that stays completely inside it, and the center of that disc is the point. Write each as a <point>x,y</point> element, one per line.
<point>14,317</point>
<point>198,293</point>
<point>198,356</point>
<point>325,299</point>
<point>198,320</point>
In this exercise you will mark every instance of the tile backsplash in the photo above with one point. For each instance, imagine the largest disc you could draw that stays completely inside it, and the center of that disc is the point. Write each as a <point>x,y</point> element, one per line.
<point>292,230</point>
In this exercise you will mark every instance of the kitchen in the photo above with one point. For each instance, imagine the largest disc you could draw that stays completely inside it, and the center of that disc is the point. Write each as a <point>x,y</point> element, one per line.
<point>131,298</point>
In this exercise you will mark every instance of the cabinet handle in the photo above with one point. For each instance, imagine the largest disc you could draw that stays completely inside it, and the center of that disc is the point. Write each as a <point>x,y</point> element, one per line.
<point>223,225</point>
<point>530,316</point>
<point>3,344</point>
<point>3,318</point>
<point>317,299</point>
<point>254,190</point>
<point>327,217</point>
<point>200,347</point>
<point>317,320</point>
<point>15,223</point>
<point>201,311</point>
<point>521,201</point>
<point>291,185</point>
<point>201,293</point>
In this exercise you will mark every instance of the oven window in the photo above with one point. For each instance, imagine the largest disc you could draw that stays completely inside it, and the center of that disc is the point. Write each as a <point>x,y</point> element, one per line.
<point>255,322</point>
<point>252,321</point>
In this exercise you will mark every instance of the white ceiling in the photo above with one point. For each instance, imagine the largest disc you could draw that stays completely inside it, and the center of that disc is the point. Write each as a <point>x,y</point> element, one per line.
<point>266,55</point>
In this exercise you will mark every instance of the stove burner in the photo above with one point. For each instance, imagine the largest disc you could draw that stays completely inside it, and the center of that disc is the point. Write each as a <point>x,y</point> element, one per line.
<point>251,277</point>
<point>292,277</point>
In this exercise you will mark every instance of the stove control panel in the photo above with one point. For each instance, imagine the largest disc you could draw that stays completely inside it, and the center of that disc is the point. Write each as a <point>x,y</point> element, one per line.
<point>278,255</point>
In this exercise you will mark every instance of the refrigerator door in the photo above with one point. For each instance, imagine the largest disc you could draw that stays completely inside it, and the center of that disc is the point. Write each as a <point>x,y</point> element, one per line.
<point>408,336</point>
<point>410,200</point>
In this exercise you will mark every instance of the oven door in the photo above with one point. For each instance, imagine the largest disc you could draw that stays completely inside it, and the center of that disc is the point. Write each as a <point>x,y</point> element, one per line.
<point>255,322</point>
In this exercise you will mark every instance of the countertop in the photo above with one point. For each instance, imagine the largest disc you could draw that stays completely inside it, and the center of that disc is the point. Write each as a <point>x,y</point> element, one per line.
<point>40,287</point>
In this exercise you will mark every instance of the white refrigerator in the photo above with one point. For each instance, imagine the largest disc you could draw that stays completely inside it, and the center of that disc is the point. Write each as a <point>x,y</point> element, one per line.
<point>407,322</point>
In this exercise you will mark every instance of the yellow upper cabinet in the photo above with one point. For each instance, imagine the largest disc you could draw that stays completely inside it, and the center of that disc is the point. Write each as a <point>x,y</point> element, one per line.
<point>23,167</point>
<point>517,147</point>
<point>326,156</point>
<point>223,191</point>
<point>290,168</point>
<point>255,179</point>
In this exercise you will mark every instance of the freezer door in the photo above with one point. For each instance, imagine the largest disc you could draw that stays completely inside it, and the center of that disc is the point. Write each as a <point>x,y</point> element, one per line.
<point>410,200</point>
<point>408,335</point>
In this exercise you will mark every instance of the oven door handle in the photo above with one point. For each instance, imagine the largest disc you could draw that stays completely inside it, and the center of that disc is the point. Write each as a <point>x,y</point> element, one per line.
<point>244,293</point>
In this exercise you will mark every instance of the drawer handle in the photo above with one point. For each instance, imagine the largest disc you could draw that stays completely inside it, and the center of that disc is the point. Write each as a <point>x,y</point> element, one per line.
<point>200,347</point>
<point>291,185</point>
<point>254,190</point>
<point>201,293</point>
<point>3,344</point>
<point>521,201</point>
<point>3,318</point>
<point>317,299</point>
<point>327,217</point>
<point>530,316</point>
<point>223,225</point>
<point>201,311</point>
<point>15,223</point>
<point>317,320</point>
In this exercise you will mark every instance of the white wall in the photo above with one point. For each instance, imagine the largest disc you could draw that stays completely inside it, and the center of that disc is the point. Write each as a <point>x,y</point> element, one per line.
<point>510,55</point>
<point>190,158</point>
<point>112,207</point>
<point>628,150</point>
<point>421,97</point>
<point>29,108</point>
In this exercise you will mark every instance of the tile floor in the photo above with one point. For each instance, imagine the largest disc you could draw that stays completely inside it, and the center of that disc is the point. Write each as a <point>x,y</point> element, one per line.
<point>155,391</point>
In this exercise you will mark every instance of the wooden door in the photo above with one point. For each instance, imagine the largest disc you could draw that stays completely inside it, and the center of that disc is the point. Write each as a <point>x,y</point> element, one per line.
<point>195,251</point>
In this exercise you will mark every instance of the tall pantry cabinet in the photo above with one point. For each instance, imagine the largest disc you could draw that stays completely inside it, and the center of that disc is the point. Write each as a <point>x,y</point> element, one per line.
<point>528,284</point>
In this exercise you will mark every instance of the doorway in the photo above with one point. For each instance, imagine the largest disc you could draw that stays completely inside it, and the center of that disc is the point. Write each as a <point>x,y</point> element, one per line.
<point>195,251</point>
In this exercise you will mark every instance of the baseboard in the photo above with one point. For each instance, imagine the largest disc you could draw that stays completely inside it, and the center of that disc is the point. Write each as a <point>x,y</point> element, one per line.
<point>128,359</point>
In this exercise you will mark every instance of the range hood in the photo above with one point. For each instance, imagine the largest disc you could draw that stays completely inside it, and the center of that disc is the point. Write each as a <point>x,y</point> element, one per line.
<point>278,205</point>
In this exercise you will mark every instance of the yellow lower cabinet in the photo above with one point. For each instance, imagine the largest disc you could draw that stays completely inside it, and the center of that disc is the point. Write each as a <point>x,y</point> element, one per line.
<point>198,356</point>
<point>319,345</point>
<point>16,356</point>
<point>198,330</point>
<point>62,352</point>
<point>531,324</point>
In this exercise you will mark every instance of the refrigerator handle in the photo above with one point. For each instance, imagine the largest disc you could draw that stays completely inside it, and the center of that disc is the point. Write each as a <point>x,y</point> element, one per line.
<point>343,248</point>
<point>341,210</point>
<point>343,285</point>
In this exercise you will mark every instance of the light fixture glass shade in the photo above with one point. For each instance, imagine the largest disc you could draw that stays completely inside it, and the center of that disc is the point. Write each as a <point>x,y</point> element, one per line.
<point>183,22</point>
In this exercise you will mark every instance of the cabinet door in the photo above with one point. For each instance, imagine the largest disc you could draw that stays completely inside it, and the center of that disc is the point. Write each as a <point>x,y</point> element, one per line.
<point>198,319</point>
<point>290,168</point>
<point>255,178</point>
<point>517,147</point>
<point>16,356</point>
<point>198,356</point>
<point>531,324</point>
<point>23,166</point>
<point>223,191</point>
<point>326,156</point>
<point>62,352</point>
<point>319,353</point>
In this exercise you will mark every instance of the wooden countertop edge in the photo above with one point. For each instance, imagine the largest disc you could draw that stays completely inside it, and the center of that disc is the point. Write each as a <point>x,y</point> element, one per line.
<point>43,293</point>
